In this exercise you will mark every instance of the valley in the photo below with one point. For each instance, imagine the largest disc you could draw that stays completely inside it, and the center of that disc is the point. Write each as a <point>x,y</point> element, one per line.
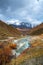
<point>21,48</point>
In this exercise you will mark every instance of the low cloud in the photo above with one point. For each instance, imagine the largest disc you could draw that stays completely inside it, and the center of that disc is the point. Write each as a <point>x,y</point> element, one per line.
<point>13,21</point>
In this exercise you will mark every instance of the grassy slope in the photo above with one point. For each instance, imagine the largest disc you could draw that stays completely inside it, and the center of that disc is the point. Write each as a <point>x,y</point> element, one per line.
<point>6,30</point>
<point>36,30</point>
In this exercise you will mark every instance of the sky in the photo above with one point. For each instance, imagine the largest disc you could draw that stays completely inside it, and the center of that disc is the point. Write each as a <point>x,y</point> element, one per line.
<point>12,11</point>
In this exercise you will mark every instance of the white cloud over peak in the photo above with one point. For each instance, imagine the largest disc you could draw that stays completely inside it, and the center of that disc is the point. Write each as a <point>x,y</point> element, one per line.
<point>13,21</point>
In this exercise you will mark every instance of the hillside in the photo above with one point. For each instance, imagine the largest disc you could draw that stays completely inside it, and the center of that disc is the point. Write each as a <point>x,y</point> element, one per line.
<point>7,31</point>
<point>36,30</point>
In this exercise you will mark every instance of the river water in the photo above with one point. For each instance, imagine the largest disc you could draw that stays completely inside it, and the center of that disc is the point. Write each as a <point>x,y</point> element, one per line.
<point>22,44</point>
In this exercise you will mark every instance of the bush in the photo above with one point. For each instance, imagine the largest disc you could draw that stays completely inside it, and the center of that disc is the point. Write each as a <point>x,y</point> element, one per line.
<point>5,53</point>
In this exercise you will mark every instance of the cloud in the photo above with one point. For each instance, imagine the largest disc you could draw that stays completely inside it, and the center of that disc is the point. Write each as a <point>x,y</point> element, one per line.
<point>13,21</point>
<point>21,10</point>
<point>32,20</point>
<point>2,17</point>
<point>13,4</point>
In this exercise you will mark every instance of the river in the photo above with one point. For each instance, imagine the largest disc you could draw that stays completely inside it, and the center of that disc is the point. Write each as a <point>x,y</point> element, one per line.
<point>22,44</point>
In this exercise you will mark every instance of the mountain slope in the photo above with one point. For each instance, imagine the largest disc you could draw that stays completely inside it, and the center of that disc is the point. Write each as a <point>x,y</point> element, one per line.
<point>36,30</point>
<point>6,30</point>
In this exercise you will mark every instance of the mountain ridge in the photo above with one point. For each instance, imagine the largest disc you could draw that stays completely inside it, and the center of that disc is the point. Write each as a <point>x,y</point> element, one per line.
<point>22,25</point>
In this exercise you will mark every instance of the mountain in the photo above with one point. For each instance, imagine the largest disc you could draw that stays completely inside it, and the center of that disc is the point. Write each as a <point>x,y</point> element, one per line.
<point>22,25</point>
<point>36,30</point>
<point>7,30</point>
